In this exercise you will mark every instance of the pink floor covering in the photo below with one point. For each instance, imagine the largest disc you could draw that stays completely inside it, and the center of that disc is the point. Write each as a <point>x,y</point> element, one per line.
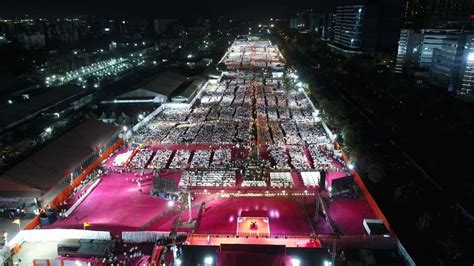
<point>330,176</point>
<point>297,180</point>
<point>115,205</point>
<point>286,216</point>
<point>349,214</point>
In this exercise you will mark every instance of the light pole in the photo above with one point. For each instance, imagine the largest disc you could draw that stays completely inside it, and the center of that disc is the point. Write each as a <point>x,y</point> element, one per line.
<point>189,203</point>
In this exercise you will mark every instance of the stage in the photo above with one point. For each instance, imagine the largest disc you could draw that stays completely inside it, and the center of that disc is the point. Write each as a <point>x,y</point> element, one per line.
<point>253,226</point>
<point>217,240</point>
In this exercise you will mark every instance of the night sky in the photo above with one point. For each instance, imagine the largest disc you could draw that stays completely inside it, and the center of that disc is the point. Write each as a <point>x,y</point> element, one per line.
<point>161,8</point>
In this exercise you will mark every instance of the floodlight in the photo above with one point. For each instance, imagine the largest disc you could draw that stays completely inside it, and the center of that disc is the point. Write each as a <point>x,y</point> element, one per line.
<point>295,262</point>
<point>470,57</point>
<point>208,260</point>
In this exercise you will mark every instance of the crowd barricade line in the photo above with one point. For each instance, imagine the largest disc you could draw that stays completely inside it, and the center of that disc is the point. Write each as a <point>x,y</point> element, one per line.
<point>88,191</point>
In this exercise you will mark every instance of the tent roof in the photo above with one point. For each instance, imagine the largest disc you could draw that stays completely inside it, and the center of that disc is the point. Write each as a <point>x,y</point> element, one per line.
<point>45,168</point>
<point>164,83</point>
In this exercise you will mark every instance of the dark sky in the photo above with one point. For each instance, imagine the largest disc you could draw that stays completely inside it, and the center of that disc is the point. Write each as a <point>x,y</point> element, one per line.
<point>161,8</point>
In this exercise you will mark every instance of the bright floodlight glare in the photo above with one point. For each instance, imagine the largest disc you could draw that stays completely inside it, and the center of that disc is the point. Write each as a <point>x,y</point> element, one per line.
<point>295,262</point>
<point>208,260</point>
<point>125,128</point>
<point>327,263</point>
<point>470,57</point>
<point>351,166</point>
<point>170,203</point>
<point>177,261</point>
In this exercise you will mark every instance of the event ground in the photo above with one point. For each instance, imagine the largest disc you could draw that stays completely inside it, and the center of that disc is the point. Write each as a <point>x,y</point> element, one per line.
<point>116,205</point>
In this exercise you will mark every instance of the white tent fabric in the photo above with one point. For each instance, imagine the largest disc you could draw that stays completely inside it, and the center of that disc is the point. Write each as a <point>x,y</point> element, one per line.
<point>56,235</point>
<point>4,254</point>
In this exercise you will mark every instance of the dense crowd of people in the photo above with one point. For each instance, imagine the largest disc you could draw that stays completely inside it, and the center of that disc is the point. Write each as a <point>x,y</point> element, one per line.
<point>208,178</point>
<point>281,179</point>
<point>245,109</point>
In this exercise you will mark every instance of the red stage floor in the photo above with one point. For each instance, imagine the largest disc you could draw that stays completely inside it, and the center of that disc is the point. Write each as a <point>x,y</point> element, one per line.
<point>286,216</point>
<point>245,228</point>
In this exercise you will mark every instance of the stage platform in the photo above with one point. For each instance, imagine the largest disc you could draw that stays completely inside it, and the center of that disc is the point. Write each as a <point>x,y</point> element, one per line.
<point>217,240</point>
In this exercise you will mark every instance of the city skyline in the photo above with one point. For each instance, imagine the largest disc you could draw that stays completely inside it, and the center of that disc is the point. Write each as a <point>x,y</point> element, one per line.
<point>179,9</point>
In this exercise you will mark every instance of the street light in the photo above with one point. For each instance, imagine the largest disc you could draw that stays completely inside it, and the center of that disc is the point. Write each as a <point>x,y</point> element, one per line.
<point>470,57</point>
<point>140,116</point>
<point>350,166</point>
<point>327,263</point>
<point>125,128</point>
<point>170,203</point>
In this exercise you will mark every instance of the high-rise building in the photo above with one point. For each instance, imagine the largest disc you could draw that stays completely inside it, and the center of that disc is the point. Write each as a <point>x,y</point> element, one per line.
<point>446,63</point>
<point>369,28</point>
<point>3,40</point>
<point>305,21</point>
<point>34,40</point>
<point>293,23</point>
<point>437,13</point>
<point>349,23</point>
<point>161,25</point>
<point>441,57</point>
<point>467,68</point>
<point>324,25</point>
<point>415,47</point>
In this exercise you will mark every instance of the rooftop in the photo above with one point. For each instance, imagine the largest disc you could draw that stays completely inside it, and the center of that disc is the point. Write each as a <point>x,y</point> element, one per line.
<point>44,169</point>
